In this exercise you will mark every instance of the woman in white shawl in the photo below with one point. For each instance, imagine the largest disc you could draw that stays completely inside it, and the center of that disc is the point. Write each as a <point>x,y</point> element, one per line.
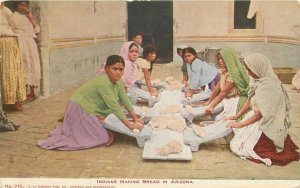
<point>262,135</point>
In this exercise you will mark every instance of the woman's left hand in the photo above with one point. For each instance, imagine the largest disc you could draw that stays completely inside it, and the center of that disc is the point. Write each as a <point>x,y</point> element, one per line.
<point>141,121</point>
<point>189,93</point>
<point>209,110</point>
<point>234,125</point>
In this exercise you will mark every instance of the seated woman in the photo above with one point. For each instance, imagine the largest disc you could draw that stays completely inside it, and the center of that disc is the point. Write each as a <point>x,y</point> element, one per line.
<point>262,135</point>
<point>83,121</point>
<point>233,86</point>
<point>200,73</point>
<point>129,52</point>
<point>231,91</point>
<point>145,66</point>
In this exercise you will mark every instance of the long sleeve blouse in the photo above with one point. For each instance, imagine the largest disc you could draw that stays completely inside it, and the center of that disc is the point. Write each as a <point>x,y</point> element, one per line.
<point>99,96</point>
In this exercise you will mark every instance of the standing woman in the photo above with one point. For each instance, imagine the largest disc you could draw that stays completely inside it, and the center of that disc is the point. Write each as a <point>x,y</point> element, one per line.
<point>11,68</point>
<point>23,24</point>
<point>82,127</point>
<point>199,72</point>
<point>262,135</point>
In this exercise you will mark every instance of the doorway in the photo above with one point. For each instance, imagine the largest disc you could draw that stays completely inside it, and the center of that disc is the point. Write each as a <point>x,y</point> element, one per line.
<point>154,19</point>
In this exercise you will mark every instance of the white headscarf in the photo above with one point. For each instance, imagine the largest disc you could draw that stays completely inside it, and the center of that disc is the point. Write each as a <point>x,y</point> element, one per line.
<point>270,98</point>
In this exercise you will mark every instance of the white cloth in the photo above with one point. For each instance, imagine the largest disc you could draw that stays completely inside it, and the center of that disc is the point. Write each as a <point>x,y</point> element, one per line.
<point>230,108</point>
<point>245,139</point>
<point>28,47</point>
<point>5,28</point>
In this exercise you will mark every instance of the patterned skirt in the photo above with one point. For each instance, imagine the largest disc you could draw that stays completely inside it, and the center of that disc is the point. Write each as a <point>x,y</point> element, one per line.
<point>11,72</point>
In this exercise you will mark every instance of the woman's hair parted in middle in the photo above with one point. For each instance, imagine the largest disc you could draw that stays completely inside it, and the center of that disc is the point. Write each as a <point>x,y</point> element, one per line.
<point>132,44</point>
<point>189,50</point>
<point>113,59</point>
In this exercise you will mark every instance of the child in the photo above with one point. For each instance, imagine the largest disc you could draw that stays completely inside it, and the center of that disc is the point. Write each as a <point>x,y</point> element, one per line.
<point>138,39</point>
<point>24,26</point>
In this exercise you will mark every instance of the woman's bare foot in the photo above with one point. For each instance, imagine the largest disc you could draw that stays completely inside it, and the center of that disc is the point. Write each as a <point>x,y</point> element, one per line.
<point>17,106</point>
<point>110,138</point>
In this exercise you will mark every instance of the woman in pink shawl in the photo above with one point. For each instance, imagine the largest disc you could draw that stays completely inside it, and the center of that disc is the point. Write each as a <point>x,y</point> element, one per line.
<point>129,52</point>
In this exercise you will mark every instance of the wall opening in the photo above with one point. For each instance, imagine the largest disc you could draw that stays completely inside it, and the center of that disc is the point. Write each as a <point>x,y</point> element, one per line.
<point>240,15</point>
<point>154,19</point>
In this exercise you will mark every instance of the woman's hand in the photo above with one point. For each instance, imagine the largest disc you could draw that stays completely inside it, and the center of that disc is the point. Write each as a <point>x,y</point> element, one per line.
<point>141,121</point>
<point>136,125</point>
<point>234,125</point>
<point>153,92</point>
<point>197,103</point>
<point>189,93</point>
<point>29,15</point>
<point>209,110</point>
<point>232,118</point>
<point>206,103</point>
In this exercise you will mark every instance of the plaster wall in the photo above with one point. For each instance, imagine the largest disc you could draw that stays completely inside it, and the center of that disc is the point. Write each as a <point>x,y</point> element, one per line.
<point>202,24</point>
<point>76,38</point>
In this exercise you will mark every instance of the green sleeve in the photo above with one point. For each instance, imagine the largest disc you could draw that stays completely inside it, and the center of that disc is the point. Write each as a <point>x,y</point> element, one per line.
<point>124,99</point>
<point>110,100</point>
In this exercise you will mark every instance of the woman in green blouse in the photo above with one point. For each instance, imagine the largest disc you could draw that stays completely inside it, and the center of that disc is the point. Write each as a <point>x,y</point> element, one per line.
<point>83,121</point>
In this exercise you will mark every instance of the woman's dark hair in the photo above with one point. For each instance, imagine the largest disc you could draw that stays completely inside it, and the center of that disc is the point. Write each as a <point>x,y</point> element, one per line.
<point>15,4</point>
<point>113,59</point>
<point>136,34</point>
<point>191,51</point>
<point>133,44</point>
<point>147,50</point>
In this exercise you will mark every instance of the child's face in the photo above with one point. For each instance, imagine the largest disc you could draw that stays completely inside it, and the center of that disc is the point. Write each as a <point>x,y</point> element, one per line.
<point>189,58</point>
<point>133,53</point>
<point>22,8</point>
<point>138,40</point>
<point>151,56</point>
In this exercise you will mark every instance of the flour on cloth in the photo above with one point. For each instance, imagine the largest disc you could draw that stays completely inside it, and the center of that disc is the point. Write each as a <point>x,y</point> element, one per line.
<point>169,121</point>
<point>173,147</point>
<point>199,131</point>
<point>172,109</point>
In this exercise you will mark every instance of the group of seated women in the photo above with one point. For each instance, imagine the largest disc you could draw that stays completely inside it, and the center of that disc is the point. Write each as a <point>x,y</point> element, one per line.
<point>260,122</point>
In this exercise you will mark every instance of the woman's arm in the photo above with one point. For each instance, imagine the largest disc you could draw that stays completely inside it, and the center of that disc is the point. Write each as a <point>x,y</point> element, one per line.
<point>242,111</point>
<point>255,117</point>
<point>29,16</point>
<point>227,88</point>
<point>147,76</point>
<point>185,79</point>
<point>132,125</point>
